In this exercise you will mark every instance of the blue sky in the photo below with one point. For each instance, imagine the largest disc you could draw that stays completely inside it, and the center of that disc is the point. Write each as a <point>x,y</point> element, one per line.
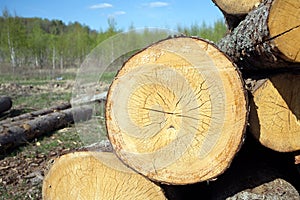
<point>140,13</point>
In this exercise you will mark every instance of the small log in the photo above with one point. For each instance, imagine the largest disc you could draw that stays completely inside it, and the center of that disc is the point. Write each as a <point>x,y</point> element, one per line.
<point>269,37</point>
<point>96,175</point>
<point>176,112</point>
<point>236,10</point>
<point>37,113</point>
<point>275,113</point>
<point>5,103</point>
<point>13,136</point>
<point>89,99</point>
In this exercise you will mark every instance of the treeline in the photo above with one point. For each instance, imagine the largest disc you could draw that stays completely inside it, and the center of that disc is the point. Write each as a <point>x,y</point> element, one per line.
<point>43,43</point>
<point>213,33</point>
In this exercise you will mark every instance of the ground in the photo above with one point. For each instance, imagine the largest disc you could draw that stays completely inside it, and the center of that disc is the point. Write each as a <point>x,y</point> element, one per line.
<point>22,169</point>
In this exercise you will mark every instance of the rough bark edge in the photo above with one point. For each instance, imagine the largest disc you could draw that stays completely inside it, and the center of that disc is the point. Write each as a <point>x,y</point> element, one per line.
<point>250,46</point>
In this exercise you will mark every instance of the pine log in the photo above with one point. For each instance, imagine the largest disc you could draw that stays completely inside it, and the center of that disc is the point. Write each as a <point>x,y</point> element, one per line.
<point>5,103</point>
<point>236,10</point>
<point>96,175</point>
<point>101,97</point>
<point>34,114</point>
<point>237,7</point>
<point>275,113</point>
<point>18,134</point>
<point>269,37</point>
<point>176,111</point>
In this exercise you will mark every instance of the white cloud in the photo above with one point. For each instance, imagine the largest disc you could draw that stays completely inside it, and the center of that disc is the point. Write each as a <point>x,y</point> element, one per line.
<point>101,5</point>
<point>117,13</point>
<point>157,4</point>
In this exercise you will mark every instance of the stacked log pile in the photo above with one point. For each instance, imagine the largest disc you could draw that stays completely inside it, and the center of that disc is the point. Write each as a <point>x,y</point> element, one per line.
<point>177,111</point>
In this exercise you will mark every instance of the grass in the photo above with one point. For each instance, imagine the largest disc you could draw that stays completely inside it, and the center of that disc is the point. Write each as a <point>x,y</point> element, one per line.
<point>108,76</point>
<point>32,92</point>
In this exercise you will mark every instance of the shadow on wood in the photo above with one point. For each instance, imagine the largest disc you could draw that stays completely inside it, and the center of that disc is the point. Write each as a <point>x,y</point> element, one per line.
<point>253,166</point>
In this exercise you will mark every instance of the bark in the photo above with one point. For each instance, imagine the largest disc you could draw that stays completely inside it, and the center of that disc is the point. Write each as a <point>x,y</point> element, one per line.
<point>34,114</point>
<point>5,104</point>
<point>174,109</point>
<point>96,175</point>
<point>13,136</point>
<point>251,45</point>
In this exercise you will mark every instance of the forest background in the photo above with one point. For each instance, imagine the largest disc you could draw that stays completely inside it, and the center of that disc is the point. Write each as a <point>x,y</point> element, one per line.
<point>51,44</point>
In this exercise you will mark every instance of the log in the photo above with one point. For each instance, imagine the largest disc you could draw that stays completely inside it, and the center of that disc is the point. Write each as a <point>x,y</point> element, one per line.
<point>34,114</point>
<point>75,102</point>
<point>5,103</point>
<point>236,10</point>
<point>269,37</point>
<point>176,111</point>
<point>16,135</point>
<point>101,97</point>
<point>96,175</point>
<point>237,7</point>
<point>275,113</point>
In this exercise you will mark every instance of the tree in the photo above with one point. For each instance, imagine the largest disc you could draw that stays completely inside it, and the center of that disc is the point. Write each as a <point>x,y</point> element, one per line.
<point>16,39</point>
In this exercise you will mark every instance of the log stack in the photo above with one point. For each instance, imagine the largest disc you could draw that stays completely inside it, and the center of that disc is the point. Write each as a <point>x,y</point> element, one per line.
<point>177,111</point>
<point>265,46</point>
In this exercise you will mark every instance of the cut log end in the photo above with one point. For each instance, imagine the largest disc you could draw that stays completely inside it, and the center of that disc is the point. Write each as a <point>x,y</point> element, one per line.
<point>176,111</point>
<point>5,104</point>
<point>275,113</point>
<point>268,37</point>
<point>237,7</point>
<point>96,175</point>
<point>284,27</point>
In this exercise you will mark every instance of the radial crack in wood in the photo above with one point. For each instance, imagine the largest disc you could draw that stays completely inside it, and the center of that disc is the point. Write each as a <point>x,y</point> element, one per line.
<point>284,21</point>
<point>275,113</point>
<point>176,111</point>
<point>96,175</point>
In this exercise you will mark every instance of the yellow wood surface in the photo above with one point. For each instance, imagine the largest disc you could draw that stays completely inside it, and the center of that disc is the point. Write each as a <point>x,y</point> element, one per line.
<point>176,111</point>
<point>96,175</point>
<point>275,113</point>
<point>237,7</point>
<point>284,25</point>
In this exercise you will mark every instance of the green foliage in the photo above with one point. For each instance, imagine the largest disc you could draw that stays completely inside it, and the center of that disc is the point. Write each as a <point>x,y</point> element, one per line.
<point>213,33</point>
<point>41,43</point>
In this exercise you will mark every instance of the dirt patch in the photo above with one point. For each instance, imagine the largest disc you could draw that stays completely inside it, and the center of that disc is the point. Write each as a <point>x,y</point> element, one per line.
<point>22,171</point>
